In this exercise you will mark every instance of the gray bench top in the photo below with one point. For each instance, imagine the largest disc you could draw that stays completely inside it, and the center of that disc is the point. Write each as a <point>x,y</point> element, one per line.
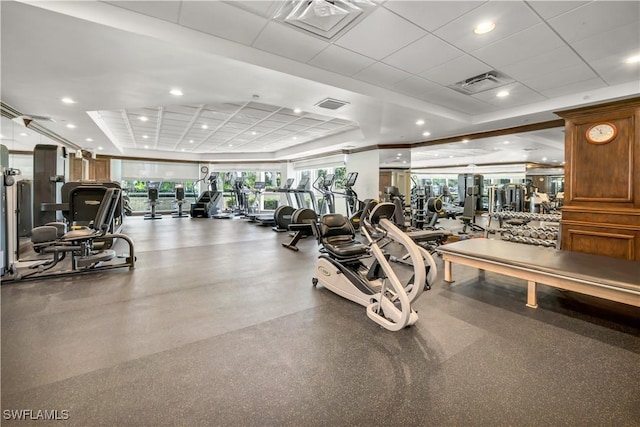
<point>594,268</point>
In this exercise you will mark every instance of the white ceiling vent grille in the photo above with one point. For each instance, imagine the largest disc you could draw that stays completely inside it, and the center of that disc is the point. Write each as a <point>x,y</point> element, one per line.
<point>324,18</point>
<point>481,83</point>
<point>331,104</point>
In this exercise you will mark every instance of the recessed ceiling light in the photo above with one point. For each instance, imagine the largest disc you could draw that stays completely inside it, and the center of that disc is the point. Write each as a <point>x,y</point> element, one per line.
<point>145,136</point>
<point>484,27</point>
<point>146,146</point>
<point>420,122</point>
<point>554,161</point>
<point>191,141</point>
<point>297,110</point>
<point>89,139</point>
<point>143,118</point>
<point>632,59</point>
<point>562,163</point>
<point>100,148</point>
<point>182,149</point>
<point>544,159</point>
<point>451,157</point>
<point>68,100</point>
<point>71,126</point>
<point>465,141</point>
<point>24,134</point>
<point>230,145</point>
<point>436,154</point>
<point>404,161</point>
<point>399,154</point>
<point>254,133</point>
<point>506,142</point>
<point>502,93</point>
<point>176,92</point>
<point>295,137</point>
<point>205,126</point>
<point>427,133</point>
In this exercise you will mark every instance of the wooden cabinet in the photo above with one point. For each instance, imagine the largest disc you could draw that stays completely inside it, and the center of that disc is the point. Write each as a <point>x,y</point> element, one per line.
<point>601,213</point>
<point>89,169</point>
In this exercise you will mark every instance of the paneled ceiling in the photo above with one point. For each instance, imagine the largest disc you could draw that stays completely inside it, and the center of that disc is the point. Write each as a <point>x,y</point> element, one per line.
<point>255,81</point>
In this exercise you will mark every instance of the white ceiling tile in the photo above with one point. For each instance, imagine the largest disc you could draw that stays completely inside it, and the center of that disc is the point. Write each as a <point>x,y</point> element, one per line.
<point>545,63</point>
<point>614,70</point>
<point>415,86</point>
<point>518,95</point>
<point>222,20</point>
<point>622,39</point>
<point>520,46</point>
<point>583,86</point>
<point>456,70</point>
<point>510,18</point>
<point>425,53</point>
<point>381,74</point>
<point>594,18</point>
<point>550,9</point>
<point>165,10</point>
<point>340,60</point>
<point>431,15</point>
<point>380,34</point>
<point>576,73</point>
<point>281,40</point>
<point>456,101</point>
<point>263,7</point>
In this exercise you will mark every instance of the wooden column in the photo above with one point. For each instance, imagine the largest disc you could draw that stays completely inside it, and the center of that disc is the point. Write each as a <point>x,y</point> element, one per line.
<point>601,214</point>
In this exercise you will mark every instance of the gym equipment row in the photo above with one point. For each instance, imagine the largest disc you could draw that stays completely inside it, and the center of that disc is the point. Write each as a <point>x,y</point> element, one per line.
<point>429,239</point>
<point>303,220</point>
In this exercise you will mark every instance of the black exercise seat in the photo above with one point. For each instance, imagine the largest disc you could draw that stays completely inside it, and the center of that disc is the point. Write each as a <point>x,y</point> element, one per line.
<point>338,237</point>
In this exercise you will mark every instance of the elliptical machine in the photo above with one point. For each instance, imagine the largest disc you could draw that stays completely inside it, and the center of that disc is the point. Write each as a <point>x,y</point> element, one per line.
<point>340,268</point>
<point>153,201</point>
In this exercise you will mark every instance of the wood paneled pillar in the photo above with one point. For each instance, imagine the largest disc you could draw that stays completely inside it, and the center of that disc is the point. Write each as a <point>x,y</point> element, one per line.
<point>601,214</point>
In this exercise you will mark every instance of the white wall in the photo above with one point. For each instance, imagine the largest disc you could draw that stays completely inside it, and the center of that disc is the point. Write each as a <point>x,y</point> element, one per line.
<point>24,162</point>
<point>366,164</point>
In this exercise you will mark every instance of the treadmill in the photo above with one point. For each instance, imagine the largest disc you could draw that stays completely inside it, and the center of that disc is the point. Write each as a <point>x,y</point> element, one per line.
<point>267,218</point>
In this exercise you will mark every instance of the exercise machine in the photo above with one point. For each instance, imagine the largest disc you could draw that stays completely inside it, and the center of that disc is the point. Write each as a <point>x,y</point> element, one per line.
<point>469,214</point>
<point>271,219</point>
<point>153,201</point>
<point>179,189</point>
<point>466,181</point>
<point>340,268</point>
<point>427,239</point>
<point>283,214</point>
<point>323,186</point>
<point>301,226</point>
<point>207,203</point>
<point>87,246</point>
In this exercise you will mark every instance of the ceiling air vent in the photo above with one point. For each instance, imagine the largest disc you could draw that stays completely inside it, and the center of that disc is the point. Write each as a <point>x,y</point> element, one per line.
<point>324,18</point>
<point>331,104</point>
<point>481,83</point>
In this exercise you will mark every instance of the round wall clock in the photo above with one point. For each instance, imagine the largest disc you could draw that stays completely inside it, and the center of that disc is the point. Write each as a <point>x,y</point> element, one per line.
<point>602,133</point>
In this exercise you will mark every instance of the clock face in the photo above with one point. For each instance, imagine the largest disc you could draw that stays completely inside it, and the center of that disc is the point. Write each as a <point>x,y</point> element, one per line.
<point>204,169</point>
<point>601,133</point>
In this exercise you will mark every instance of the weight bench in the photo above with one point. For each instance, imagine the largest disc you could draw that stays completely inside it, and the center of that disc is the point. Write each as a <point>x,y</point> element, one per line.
<point>596,275</point>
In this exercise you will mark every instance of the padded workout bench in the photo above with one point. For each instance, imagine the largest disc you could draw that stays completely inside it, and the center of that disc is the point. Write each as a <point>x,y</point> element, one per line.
<point>600,276</point>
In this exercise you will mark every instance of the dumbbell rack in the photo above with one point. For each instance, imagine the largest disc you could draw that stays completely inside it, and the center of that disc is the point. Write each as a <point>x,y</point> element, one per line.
<point>530,235</point>
<point>540,236</point>
<point>547,217</point>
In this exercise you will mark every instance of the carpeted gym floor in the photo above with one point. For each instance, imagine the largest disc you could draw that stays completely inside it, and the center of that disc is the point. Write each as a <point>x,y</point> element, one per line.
<point>219,325</point>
